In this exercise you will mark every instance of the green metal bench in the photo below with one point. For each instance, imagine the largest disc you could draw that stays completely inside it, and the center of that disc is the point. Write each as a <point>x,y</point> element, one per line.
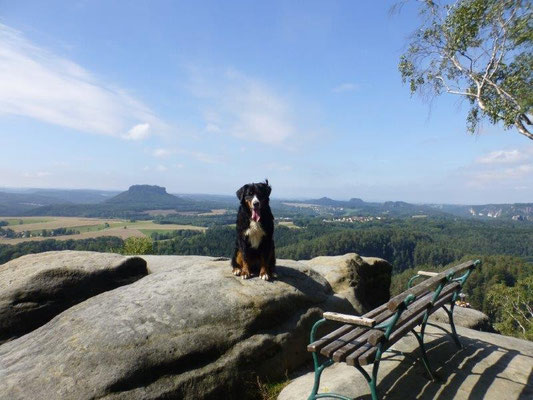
<point>362,340</point>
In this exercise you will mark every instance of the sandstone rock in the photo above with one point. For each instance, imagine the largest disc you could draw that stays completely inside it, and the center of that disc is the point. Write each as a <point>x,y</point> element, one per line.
<point>189,330</point>
<point>364,281</point>
<point>465,317</point>
<point>36,287</point>
<point>490,367</point>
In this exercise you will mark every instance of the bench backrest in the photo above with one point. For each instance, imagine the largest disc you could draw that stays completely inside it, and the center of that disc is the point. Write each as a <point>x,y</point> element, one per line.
<point>429,284</point>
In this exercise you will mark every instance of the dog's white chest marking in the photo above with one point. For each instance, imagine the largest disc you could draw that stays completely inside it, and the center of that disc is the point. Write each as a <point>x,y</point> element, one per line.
<point>255,233</point>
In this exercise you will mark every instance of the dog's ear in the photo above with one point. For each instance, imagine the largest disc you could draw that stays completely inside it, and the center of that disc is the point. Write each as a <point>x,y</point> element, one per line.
<point>269,188</point>
<point>240,192</point>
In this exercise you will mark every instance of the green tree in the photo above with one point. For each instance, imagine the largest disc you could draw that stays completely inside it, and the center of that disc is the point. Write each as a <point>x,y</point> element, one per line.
<point>480,50</point>
<point>138,245</point>
<point>512,308</point>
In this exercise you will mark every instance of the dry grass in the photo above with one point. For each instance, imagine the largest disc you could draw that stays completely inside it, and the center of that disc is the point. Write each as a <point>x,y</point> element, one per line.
<point>271,390</point>
<point>118,232</point>
<point>119,228</point>
<point>163,227</point>
<point>289,224</point>
<point>60,222</point>
<point>218,211</point>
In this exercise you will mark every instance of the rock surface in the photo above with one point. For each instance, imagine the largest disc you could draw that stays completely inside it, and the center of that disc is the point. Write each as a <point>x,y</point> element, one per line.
<point>490,367</point>
<point>364,281</point>
<point>188,330</point>
<point>36,287</point>
<point>465,317</point>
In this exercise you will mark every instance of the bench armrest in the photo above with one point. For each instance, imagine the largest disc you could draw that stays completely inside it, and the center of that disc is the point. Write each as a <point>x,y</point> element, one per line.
<point>427,273</point>
<point>349,319</point>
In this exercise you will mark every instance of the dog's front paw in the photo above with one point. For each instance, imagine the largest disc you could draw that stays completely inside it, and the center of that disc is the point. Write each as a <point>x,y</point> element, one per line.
<point>265,276</point>
<point>236,271</point>
<point>245,275</point>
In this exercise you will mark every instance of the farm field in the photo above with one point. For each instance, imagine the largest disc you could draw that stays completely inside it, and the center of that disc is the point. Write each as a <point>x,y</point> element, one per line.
<point>289,224</point>
<point>87,228</point>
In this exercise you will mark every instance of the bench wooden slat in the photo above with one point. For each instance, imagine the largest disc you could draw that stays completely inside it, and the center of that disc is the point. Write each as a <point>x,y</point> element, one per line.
<point>352,341</point>
<point>368,356</point>
<point>413,310</point>
<point>461,267</point>
<point>428,284</point>
<point>422,287</point>
<point>349,340</point>
<point>349,319</point>
<point>427,273</point>
<point>355,356</point>
<point>320,343</point>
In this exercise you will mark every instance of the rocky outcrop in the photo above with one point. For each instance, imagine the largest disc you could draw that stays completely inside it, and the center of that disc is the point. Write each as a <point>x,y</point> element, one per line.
<point>188,330</point>
<point>364,281</point>
<point>466,317</point>
<point>104,326</point>
<point>36,287</point>
<point>489,367</point>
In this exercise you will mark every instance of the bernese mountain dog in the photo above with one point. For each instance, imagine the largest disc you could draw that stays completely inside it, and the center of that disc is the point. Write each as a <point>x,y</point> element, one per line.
<point>254,246</point>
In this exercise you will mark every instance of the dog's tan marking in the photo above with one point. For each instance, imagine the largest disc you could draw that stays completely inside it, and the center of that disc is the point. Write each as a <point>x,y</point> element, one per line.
<point>255,233</point>
<point>239,271</point>
<point>249,204</point>
<point>244,272</point>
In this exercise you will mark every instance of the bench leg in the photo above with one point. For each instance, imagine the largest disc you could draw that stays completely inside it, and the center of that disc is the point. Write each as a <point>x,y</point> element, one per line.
<point>318,372</point>
<point>452,324</point>
<point>420,339</point>
<point>319,368</point>
<point>372,381</point>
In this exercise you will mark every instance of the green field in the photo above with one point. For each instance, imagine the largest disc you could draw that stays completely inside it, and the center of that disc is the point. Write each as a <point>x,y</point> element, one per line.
<point>24,220</point>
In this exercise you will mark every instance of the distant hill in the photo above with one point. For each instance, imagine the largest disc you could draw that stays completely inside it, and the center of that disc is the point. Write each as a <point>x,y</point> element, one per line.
<point>19,203</point>
<point>356,205</point>
<point>147,197</point>
<point>15,202</point>
<point>77,196</point>
<point>516,212</point>
<point>129,204</point>
<point>138,199</point>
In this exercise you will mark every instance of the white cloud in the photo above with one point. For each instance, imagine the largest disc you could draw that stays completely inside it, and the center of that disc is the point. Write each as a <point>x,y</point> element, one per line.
<point>345,87</point>
<point>204,157</point>
<point>161,168</point>
<point>38,174</point>
<point>503,157</point>
<point>162,153</point>
<point>212,128</point>
<point>39,84</point>
<point>274,166</point>
<point>245,107</point>
<point>138,132</point>
<point>501,175</point>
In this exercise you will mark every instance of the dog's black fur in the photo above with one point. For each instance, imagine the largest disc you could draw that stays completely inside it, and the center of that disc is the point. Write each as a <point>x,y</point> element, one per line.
<point>247,258</point>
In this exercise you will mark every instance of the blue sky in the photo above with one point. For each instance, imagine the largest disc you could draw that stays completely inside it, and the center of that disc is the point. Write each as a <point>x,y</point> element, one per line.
<point>202,96</point>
